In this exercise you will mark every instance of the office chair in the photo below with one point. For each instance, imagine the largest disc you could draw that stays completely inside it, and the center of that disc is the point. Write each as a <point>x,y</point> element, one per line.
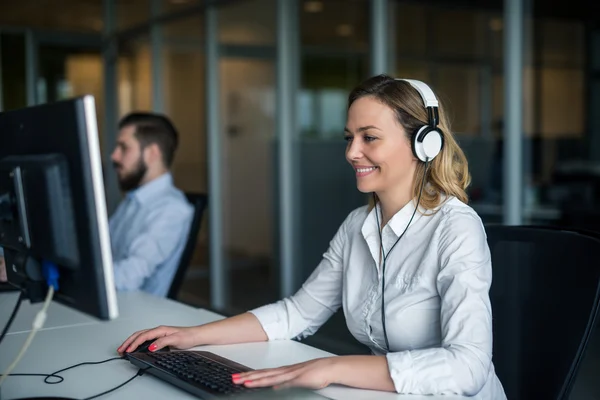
<point>579,217</point>
<point>545,297</point>
<point>198,201</point>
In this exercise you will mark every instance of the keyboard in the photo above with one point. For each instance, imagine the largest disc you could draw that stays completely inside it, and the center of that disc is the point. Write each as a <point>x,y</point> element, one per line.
<point>201,373</point>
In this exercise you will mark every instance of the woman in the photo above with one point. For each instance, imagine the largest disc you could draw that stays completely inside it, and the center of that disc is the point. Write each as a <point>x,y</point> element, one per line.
<point>430,331</point>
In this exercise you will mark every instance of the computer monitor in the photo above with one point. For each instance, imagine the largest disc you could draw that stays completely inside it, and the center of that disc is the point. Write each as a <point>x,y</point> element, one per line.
<point>52,205</point>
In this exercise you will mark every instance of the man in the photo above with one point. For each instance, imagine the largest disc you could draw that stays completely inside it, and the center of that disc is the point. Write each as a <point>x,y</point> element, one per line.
<point>150,226</point>
<point>3,277</point>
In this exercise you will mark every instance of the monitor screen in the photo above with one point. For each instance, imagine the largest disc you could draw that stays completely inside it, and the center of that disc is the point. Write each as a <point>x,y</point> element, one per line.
<point>53,207</point>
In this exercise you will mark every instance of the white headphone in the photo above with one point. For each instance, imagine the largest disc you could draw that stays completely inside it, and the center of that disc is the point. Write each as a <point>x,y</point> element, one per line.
<point>427,140</point>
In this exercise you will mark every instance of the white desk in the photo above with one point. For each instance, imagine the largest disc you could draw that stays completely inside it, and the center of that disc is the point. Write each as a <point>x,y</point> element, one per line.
<point>72,337</point>
<point>61,316</point>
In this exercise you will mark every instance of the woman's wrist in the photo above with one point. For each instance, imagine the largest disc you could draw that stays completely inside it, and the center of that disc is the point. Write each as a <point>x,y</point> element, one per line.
<point>336,370</point>
<point>198,335</point>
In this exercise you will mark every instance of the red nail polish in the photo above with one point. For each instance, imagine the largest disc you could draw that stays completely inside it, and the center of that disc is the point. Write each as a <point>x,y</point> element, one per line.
<point>152,347</point>
<point>235,376</point>
<point>248,382</point>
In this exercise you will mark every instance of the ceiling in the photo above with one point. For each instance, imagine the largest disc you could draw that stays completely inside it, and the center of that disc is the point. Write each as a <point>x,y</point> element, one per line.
<point>80,15</point>
<point>86,16</point>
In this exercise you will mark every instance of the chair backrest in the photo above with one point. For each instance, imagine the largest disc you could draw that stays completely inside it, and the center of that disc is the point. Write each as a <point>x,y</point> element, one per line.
<point>579,217</point>
<point>545,296</point>
<point>198,202</point>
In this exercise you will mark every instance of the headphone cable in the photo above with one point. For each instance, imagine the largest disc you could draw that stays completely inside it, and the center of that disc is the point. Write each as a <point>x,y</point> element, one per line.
<point>385,256</point>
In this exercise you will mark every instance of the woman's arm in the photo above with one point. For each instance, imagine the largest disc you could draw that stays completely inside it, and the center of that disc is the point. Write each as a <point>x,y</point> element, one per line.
<point>241,328</point>
<point>317,300</point>
<point>299,315</point>
<point>364,372</point>
<point>461,364</point>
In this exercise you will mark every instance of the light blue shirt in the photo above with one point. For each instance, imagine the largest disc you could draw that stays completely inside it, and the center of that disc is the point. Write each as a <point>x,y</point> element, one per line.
<point>148,232</point>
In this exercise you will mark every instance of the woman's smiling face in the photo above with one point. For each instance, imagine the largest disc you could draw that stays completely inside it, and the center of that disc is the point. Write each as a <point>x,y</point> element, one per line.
<point>378,148</point>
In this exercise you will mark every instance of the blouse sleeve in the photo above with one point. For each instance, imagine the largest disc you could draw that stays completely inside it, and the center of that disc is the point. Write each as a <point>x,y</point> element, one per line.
<point>462,363</point>
<point>315,302</point>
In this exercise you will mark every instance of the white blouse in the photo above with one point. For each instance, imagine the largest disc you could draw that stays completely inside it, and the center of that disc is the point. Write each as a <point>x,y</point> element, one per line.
<point>437,307</point>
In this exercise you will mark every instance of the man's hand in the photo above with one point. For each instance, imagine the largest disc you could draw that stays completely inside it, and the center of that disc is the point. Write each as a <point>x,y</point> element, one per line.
<point>3,277</point>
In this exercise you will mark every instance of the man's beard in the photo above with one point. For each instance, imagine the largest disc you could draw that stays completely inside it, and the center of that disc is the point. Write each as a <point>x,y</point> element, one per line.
<point>132,180</point>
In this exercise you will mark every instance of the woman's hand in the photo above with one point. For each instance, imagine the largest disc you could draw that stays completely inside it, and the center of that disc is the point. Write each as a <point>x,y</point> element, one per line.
<point>176,337</point>
<point>314,374</point>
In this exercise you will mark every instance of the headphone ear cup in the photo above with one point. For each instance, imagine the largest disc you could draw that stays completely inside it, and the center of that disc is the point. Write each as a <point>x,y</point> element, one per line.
<point>427,142</point>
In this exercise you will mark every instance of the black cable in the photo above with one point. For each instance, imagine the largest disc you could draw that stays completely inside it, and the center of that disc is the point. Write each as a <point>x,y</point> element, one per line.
<point>61,379</point>
<point>54,374</point>
<point>139,373</point>
<point>385,256</point>
<point>46,375</point>
<point>12,316</point>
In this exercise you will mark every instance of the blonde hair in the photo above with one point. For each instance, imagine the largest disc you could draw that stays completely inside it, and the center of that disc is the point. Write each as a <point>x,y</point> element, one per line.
<point>448,173</point>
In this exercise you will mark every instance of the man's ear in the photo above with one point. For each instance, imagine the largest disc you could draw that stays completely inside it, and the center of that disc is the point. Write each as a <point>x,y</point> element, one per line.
<point>152,154</point>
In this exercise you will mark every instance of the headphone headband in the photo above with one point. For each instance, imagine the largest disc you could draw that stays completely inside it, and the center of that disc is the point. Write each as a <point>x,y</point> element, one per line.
<point>425,91</point>
<point>427,140</point>
<point>429,99</point>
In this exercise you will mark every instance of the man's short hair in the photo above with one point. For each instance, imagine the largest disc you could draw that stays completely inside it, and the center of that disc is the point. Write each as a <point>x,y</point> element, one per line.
<point>153,128</point>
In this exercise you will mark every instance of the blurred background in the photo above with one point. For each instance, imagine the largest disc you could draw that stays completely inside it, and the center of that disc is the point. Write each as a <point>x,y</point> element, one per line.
<point>258,89</point>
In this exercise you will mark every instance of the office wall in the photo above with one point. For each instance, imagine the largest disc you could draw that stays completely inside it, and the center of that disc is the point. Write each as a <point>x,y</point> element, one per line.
<point>185,104</point>
<point>250,22</point>
<point>248,125</point>
<point>84,76</point>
